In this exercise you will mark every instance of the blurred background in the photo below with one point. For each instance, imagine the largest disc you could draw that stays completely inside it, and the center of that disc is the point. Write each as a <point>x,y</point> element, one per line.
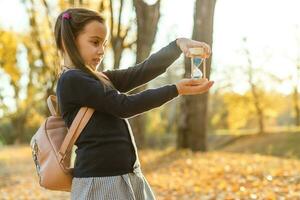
<point>253,107</point>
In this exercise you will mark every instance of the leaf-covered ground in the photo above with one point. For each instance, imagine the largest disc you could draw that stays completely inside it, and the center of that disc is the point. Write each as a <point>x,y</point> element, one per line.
<point>175,175</point>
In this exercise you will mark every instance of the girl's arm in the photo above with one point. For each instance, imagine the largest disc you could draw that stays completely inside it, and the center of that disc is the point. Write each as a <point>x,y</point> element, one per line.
<point>127,79</point>
<point>78,88</point>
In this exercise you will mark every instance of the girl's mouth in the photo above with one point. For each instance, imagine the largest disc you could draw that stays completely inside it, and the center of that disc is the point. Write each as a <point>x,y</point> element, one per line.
<point>97,60</point>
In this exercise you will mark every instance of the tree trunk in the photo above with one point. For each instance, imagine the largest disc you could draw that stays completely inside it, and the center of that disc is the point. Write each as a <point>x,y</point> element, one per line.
<point>296,95</point>
<point>255,93</point>
<point>147,21</point>
<point>47,73</point>
<point>193,118</point>
<point>296,106</point>
<point>259,109</point>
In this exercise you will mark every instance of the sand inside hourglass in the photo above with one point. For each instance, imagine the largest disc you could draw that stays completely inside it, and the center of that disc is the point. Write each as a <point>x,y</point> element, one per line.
<point>195,67</point>
<point>196,60</point>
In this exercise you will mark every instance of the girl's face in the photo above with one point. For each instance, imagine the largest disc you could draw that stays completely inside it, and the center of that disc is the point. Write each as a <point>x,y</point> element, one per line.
<point>91,43</point>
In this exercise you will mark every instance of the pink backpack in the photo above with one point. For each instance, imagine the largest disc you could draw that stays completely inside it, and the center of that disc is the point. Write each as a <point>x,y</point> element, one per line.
<point>52,147</point>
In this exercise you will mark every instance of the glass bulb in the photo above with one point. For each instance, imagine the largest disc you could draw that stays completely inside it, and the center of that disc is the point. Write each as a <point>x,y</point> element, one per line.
<point>195,64</point>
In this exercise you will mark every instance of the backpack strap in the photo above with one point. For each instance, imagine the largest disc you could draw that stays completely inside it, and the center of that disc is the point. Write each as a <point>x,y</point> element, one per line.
<point>80,121</point>
<point>52,105</point>
<point>78,124</point>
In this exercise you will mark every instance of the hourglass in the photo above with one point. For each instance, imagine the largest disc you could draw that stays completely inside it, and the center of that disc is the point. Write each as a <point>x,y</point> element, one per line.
<point>196,60</point>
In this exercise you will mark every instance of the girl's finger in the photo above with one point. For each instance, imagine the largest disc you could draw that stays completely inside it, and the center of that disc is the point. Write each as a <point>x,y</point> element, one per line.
<point>197,81</point>
<point>205,87</point>
<point>206,47</point>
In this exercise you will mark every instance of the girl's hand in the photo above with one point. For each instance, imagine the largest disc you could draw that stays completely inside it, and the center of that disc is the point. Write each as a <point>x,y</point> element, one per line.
<point>185,44</point>
<point>193,86</point>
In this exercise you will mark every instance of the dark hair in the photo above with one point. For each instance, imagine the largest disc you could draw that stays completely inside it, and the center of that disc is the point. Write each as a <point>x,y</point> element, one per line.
<point>68,26</point>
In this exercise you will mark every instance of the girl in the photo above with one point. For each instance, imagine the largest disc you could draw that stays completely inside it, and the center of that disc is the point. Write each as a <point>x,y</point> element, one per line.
<point>107,164</point>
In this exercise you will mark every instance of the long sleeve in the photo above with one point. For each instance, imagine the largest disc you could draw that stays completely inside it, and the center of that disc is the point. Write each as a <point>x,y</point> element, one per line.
<point>127,79</point>
<point>81,89</point>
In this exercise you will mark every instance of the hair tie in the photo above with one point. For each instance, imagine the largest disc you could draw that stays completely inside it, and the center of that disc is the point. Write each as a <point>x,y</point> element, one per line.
<point>66,16</point>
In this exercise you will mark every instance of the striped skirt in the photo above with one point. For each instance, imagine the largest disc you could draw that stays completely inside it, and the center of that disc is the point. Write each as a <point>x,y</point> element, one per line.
<point>132,186</point>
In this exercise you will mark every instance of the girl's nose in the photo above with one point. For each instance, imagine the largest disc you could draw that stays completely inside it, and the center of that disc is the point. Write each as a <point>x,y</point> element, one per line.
<point>100,51</point>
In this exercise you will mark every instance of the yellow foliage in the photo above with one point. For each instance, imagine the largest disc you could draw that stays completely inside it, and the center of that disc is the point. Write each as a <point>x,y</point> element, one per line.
<point>8,54</point>
<point>239,109</point>
<point>174,175</point>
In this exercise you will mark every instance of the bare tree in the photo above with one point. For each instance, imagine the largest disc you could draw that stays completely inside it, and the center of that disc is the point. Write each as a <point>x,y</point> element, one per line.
<point>295,94</point>
<point>119,32</point>
<point>50,60</point>
<point>193,116</point>
<point>255,92</point>
<point>147,20</point>
<point>297,81</point>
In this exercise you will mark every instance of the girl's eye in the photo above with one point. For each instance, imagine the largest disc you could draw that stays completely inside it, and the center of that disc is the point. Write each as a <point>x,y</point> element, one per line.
<point>95,43</point>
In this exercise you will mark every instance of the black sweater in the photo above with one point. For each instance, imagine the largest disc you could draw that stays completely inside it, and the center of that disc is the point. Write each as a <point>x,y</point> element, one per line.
<point>104,146</point>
